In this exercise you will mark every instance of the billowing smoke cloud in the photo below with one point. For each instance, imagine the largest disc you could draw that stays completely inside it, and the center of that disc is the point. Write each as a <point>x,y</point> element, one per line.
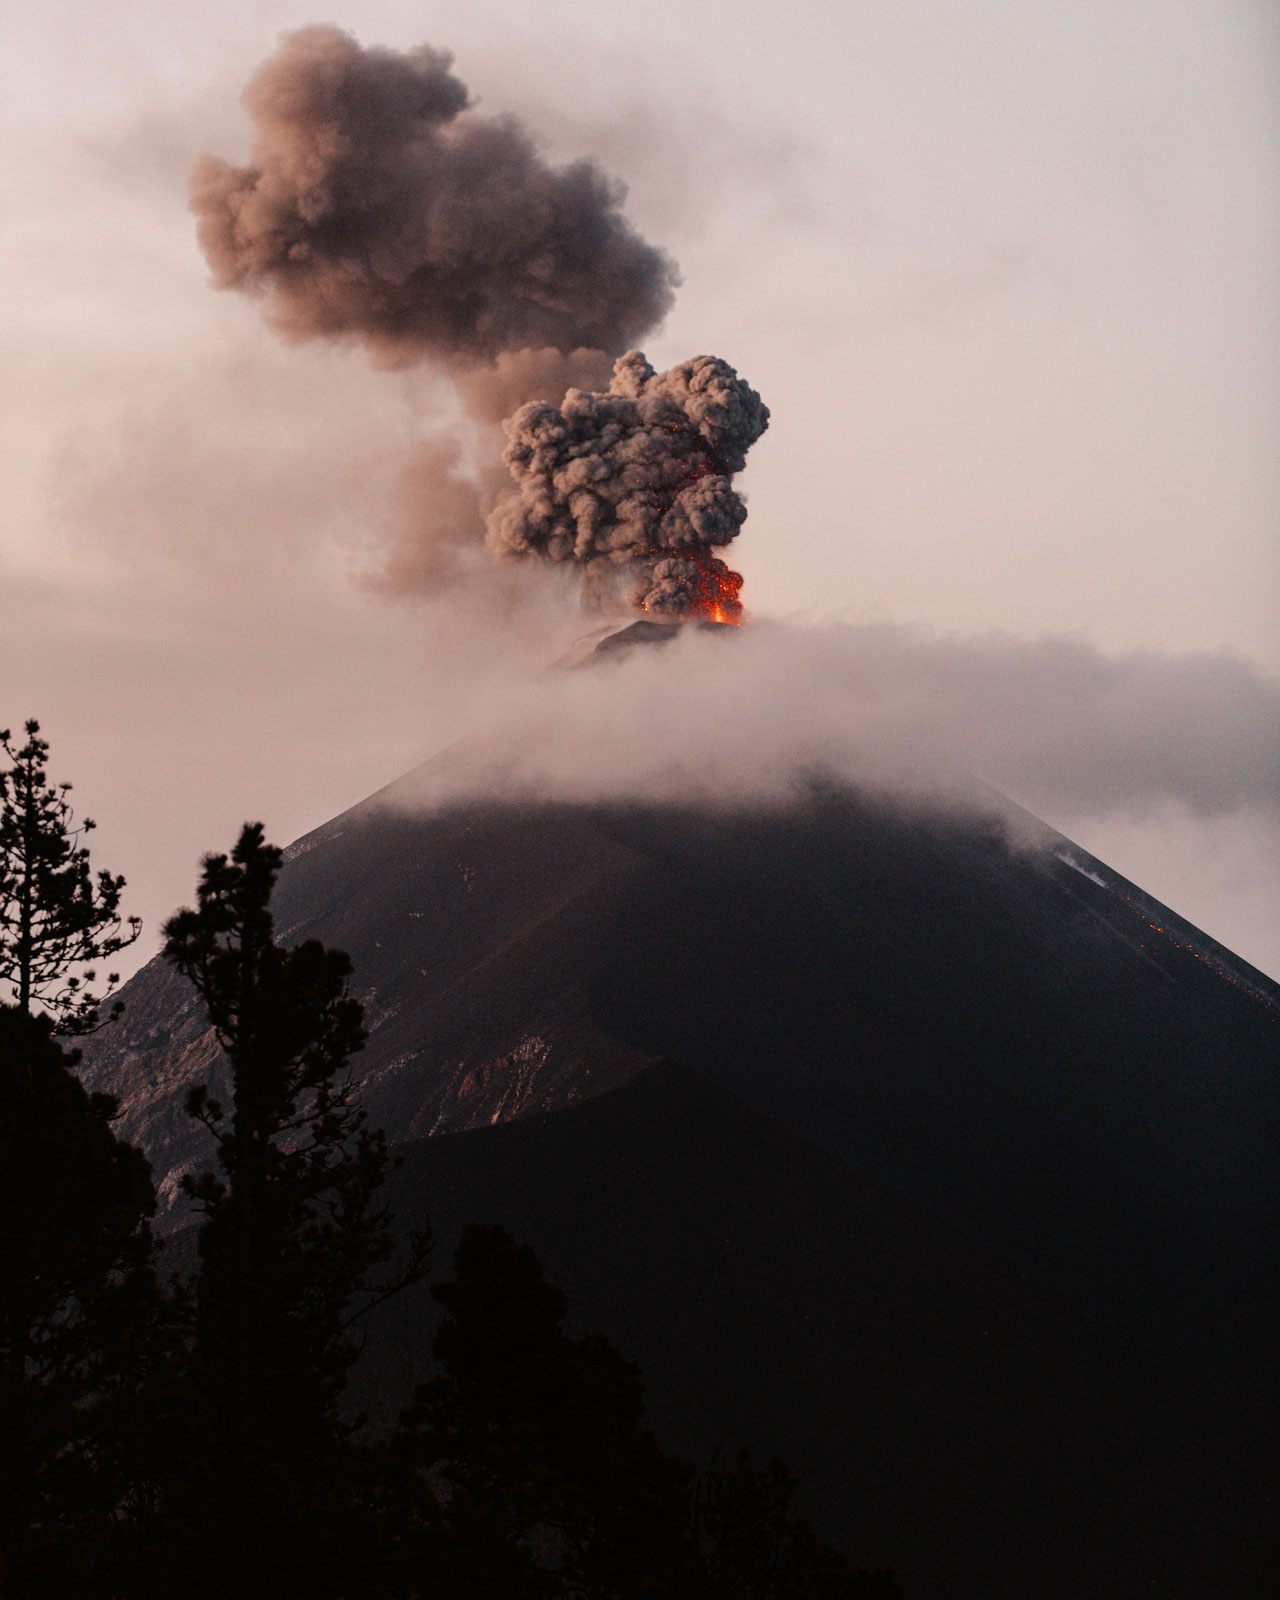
<point>636,481</point>
<point>377,207</point>
<point>492,392</point>
<point>449,484</point>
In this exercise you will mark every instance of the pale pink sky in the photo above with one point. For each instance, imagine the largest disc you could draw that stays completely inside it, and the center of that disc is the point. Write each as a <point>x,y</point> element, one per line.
<point>1004,272</point>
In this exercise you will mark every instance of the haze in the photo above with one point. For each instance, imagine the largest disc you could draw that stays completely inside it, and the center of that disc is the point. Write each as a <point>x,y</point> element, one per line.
<point>1003,274</point>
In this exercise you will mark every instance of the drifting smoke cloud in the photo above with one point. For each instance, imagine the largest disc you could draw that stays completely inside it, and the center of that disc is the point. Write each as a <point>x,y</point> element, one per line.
<point>377,207</point>
<point>748,715</point>
<point>637,479</point>
<point>450,484</point>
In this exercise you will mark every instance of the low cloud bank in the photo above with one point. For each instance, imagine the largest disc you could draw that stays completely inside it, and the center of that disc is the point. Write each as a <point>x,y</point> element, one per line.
<point>747,714</point>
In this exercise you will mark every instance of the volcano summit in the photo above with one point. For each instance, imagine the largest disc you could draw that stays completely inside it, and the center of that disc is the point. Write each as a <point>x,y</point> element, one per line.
<point>943,1169</point>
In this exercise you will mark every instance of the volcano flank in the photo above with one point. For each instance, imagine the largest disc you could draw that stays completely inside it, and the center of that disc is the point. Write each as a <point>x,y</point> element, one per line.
<point>941,1168</point>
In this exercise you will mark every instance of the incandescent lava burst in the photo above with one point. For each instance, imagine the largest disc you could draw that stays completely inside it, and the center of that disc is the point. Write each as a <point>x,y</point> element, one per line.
<point>635,486</point>
<point>710,585</point>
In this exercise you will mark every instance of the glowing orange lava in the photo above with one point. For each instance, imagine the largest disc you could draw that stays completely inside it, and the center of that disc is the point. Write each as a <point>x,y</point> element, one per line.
<point>716,589</point>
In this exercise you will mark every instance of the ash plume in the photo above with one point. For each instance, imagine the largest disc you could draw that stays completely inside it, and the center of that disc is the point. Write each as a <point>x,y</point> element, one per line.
<point>635,484</point>
<point>492,392</point>
<point>448,486</point>
<point>379,207</point>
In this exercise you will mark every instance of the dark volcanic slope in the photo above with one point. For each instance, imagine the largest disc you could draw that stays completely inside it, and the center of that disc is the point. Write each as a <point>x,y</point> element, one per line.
<point>953,1411</point>
<point>968,1200</point>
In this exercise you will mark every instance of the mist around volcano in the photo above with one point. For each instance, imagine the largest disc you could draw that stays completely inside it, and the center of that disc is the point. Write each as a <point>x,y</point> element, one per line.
<point>752,715</point>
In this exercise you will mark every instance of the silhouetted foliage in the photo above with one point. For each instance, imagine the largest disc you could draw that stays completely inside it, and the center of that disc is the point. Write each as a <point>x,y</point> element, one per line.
<point>194,1441</point>
<point>524,1471</point>
<point>78,1309</point>
<point>547,1481</point>
<point>55,915</point>
<point>755,1548</point>
<point>293,1233</point>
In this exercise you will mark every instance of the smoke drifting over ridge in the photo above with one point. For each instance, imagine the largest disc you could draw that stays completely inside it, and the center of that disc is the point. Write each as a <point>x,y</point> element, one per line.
<point>746,716</point>
<point>379,208</point>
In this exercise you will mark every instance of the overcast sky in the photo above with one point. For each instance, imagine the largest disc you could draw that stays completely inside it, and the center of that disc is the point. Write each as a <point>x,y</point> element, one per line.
<point>1004,271</point>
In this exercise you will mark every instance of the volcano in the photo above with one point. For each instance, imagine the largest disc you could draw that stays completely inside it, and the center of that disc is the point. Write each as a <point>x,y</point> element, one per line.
<point>941,1167</point>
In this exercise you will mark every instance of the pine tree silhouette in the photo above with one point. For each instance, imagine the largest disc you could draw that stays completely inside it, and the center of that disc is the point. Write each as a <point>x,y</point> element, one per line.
<point>84,1331</point>
<point>295,1241</point>
<point>755,1547</point>
<point>78,1303</point>
<point>550,1482</point>
<point>55,916</point>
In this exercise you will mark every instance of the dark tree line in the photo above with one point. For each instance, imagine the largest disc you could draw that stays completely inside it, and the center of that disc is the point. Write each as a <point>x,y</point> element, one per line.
<point>158,1438</point>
